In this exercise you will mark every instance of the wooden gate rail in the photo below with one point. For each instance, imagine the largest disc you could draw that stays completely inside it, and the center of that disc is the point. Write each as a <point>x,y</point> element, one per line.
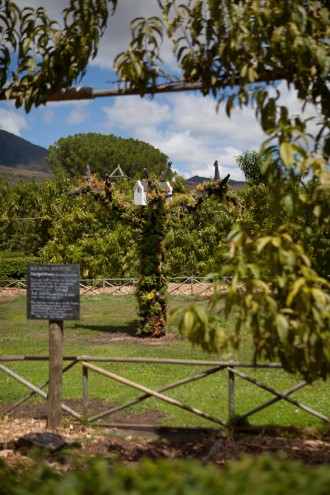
<point>279,396</point>
<point>124,282</point>
<point>12,284</point>
<point>41,387</point>
<point>120,285</point>
<point>182,282</point>
<point>213,367</point>
<point>36,390</point>
<point>147,395</point>
<point>153,393</point>
<point>115,285</point>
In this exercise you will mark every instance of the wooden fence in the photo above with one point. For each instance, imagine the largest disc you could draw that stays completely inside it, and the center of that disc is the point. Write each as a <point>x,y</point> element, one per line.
<point>232,370</point>
<point>191,285</point>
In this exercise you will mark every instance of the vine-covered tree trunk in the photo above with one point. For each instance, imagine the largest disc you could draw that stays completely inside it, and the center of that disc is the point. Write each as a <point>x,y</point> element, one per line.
<point>151,290</point>
<point>150,223</point>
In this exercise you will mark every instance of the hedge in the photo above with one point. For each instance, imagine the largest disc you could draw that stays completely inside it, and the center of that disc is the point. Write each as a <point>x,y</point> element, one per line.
<point>264,475</point>
<point>15,268</point>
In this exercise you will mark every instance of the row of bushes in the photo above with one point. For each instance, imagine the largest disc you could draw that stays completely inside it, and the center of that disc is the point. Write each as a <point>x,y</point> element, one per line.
<point>13,265</point>
<point>249,476</point>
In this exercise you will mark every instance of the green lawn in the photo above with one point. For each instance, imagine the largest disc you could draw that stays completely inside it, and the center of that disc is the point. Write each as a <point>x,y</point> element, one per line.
<point>103,330</point>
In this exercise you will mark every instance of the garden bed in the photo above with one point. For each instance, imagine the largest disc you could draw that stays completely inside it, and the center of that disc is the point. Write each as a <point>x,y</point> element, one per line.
<point>207,446</point>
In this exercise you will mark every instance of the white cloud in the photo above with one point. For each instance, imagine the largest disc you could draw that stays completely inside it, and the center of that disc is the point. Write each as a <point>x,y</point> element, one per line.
<point>48,115</point>
<point>137,117</point>
<point>132,113</point>
<point>289,98</point>
<point>198,114</point>
<point>118,34</point>
<point>53,9</point>
<point>76,116</point>
<point>187,128</point>
<point>12,121</point>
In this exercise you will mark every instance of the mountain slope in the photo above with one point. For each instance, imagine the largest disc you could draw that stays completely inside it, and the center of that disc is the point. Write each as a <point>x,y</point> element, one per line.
<point>194,181</point>
<point>19,153</point>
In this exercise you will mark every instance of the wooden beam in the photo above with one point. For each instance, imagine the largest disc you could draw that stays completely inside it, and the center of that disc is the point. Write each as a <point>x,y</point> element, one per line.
<point>55,374</point>
<point>88,93</point>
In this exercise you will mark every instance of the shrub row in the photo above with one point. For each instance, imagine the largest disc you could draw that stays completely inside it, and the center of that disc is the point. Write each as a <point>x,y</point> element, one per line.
<point>15,268</point>
<point>250,476</point>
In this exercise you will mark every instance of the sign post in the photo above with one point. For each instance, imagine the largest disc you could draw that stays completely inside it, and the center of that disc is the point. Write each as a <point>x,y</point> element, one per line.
<point>53,294</point>
<point>55,374</point>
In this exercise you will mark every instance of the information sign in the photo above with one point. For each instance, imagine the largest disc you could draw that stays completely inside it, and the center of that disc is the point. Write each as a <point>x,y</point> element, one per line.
<point>53,292</point>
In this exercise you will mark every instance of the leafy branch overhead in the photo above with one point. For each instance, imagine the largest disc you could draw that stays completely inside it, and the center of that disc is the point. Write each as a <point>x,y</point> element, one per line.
<point>49,56</point>
<point>229,48</point>
<point>221,47</point>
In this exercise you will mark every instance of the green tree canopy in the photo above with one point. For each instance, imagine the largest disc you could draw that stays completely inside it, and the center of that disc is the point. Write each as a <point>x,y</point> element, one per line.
<point>256,166</point>
<point>83,231</point>
<point>26,215</point>
<point>197,243</point>
<point>104,153</point>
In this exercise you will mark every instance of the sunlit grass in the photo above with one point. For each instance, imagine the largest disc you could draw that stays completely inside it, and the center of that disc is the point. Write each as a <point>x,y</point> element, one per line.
<point>103,330</point>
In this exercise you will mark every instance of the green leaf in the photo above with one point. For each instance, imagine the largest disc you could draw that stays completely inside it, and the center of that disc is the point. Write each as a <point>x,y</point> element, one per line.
<point>26,45</point>
<point>288,203</point>
<point>317,211</point>
<point>188,321</point>
<point>298,284</point>
<point>277,241</point>
<point>262,243</point>
<point>287,154</point>
<point>282,328</point>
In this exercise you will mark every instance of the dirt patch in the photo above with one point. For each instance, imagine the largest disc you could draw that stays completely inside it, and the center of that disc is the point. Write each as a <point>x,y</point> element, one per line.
<point>131,338</point>
<point>132,444</point>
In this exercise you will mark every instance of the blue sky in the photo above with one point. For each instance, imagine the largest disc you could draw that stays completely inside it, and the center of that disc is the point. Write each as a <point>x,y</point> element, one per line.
<point>184,126</point>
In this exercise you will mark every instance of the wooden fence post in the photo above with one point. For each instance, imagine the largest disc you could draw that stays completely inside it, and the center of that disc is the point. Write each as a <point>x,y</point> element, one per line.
<point>85,392</point>
<point>231,395</point>
<point>55,374</point>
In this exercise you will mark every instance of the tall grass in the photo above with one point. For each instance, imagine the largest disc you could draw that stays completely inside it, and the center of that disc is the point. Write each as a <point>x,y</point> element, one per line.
<point>105,329</point>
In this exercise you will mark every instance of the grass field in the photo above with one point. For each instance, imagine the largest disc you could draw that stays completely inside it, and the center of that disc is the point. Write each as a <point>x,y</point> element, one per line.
<point>106,328</point>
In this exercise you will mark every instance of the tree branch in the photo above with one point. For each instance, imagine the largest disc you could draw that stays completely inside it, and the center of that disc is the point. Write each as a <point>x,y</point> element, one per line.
<point>88,93</point>
<point>211,188</point>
